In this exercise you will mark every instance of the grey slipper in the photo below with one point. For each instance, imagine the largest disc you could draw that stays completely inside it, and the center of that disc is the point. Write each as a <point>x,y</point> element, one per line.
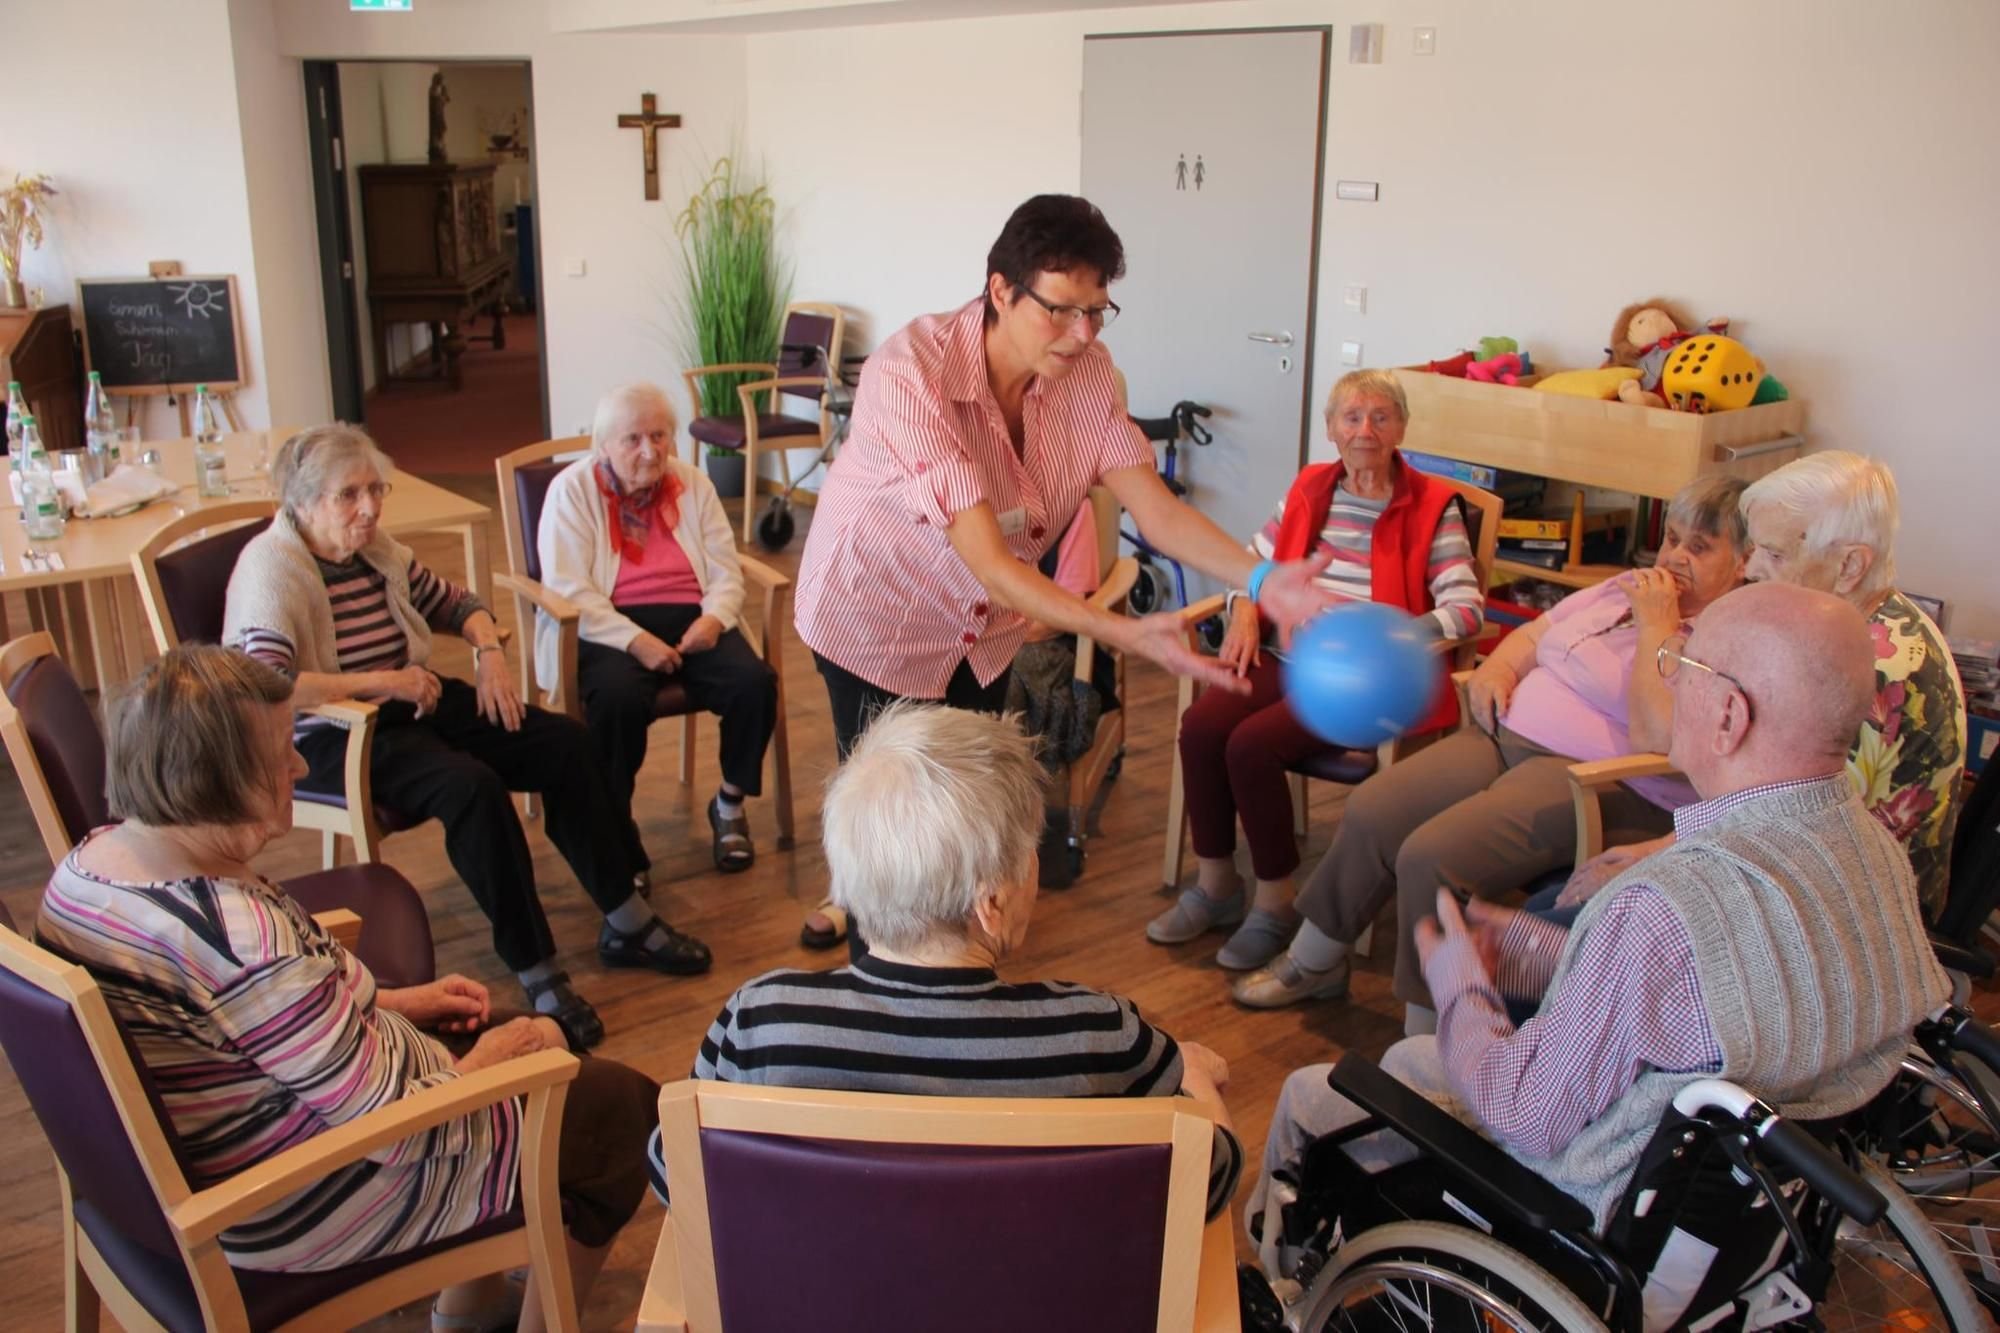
<point>1193,915</point>
<point>1256,942</point>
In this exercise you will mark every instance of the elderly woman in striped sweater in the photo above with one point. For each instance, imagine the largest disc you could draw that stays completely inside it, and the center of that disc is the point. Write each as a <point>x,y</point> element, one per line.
<point>328,598</point>
<point>1398,537</point>
<point>261,1031</point>
<point>931,828</point>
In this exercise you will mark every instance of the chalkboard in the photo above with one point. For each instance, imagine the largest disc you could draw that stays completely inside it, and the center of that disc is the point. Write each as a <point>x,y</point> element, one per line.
<point>162,335</point>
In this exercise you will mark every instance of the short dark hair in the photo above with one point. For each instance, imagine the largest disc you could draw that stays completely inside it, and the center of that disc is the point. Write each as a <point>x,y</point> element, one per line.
<point>1053,233</point>
<point>182,749</point>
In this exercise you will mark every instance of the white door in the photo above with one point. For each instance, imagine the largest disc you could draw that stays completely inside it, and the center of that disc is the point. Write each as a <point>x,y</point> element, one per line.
<point>1204,151</point>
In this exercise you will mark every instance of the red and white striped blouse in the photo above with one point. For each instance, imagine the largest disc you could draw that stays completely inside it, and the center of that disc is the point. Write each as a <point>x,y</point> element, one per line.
<point>881,591</point>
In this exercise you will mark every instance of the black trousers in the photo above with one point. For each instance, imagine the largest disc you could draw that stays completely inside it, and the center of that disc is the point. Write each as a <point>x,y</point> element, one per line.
<point>453,765</point>
<point>856,702</point>
<point>729,680</point>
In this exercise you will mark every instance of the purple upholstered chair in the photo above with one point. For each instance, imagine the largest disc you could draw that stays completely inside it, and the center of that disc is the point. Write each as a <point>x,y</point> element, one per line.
<point>842,1211</point>
<point>139,1239</point>
<point>525,476</point>
<point>183,575</point>
<point>56,748</point>
<point>808,351</point>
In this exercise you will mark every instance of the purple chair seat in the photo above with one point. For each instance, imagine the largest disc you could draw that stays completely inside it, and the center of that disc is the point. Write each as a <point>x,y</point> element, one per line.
<point>389,821</point>
<point>271,1299</point>
<point>395,938</point>
<point>1334,764</point>
<point>887,1237</point>
<point>729,432</point>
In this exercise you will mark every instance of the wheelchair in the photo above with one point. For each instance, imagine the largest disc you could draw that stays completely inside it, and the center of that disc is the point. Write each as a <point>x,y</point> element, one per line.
<point>1789,1231</point>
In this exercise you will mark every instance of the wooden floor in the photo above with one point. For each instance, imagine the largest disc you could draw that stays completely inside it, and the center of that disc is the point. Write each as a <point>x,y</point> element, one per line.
<point>1092,933</point>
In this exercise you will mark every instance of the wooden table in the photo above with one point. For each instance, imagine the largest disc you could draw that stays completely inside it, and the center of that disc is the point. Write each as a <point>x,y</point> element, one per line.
<point>95,591</point>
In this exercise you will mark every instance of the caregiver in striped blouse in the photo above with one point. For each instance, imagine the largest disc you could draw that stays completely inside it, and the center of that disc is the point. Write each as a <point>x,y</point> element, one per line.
<point>931,829</point>
<point>260,1031</point>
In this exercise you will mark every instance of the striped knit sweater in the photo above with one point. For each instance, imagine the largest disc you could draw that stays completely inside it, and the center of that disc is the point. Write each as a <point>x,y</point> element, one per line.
<point>260,1032</point>
<point>1811,957</point>
<point>944,1032</point>
<point>1459,607</point>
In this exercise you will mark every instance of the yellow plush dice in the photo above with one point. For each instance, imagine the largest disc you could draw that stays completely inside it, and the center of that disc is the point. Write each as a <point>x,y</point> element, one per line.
<point>1710,373</point>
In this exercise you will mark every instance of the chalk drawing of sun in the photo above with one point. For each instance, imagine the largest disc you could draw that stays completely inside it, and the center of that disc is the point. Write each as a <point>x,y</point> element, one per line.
<point>198,298</point>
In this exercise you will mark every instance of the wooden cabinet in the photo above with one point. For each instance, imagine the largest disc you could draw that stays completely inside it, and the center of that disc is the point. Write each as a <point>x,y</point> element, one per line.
<point>37,348</point>
<point>434,256</point>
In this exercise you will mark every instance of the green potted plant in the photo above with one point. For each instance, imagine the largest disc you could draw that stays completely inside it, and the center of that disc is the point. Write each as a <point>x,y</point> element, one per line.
<point>737,288</point>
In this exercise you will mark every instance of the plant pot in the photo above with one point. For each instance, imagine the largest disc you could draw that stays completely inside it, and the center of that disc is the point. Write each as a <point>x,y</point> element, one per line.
<point>12,296</point>
<point>726,471</point>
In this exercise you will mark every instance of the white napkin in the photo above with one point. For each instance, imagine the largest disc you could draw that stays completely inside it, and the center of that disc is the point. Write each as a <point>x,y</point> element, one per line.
<point>128,487</point>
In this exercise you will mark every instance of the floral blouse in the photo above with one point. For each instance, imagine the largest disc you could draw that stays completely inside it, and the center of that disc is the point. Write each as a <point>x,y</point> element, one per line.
<point>1910,754</point>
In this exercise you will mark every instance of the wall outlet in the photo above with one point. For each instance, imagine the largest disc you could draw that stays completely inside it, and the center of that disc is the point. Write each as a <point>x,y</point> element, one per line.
<point>1427,41</point>
<point>1350,354</point>
<point>573,268</point>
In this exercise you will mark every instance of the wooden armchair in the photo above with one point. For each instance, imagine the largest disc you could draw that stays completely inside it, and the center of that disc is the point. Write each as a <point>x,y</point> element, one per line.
<point>808,355</point>
<point>525,475</point>
<point>1085,777</point>
<point>902,1213</point>
<point>140,1240</point>
<point>1348,767</point>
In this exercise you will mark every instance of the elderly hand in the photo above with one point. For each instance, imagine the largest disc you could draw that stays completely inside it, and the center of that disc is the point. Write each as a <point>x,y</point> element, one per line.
<point>1483,923</point>
<point>701,636</point>
<point>1655,599</point>
<point>1162,637</point>
<point>1241,648</point>
<point>653,654</point>
<point>510,1041</point>
<point>1205,1063</point>
<point>1290,594</point>
<point>499,697</point>
<point>1489,692</point>
<point>1604,867</point>
<point>450,1004</point>
<point>411,684</point>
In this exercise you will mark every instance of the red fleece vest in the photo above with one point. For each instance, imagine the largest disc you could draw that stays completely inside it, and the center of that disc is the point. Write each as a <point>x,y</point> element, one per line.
<point>1399,552</point>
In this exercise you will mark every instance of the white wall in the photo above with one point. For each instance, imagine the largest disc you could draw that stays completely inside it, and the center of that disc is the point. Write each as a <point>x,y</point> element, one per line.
<point>1828,178</point>
<point>618,321</point>
<point>134,191</point>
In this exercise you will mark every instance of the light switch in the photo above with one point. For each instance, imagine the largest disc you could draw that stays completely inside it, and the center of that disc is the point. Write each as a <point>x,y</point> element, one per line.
<point>1355,297</point>
<point>1364,192</point>
<point>1350,354</point>
<point>1427,41</point>
<point>573,268</point>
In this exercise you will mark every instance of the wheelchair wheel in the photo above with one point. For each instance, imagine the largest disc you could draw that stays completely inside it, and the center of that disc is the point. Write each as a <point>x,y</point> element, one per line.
<point>775,529</point>
<point>1938,1145</point>
<point>1434,1276</point>
<point>1149,592</point>
<point>1212,629</point>
<point>1900,1273</point>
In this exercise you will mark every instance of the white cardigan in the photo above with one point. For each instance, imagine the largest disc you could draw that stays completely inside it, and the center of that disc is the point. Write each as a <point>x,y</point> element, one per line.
<point>580,562</point>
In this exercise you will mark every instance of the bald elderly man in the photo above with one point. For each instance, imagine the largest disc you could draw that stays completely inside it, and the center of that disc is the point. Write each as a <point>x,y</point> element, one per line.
<point>1781,903</point>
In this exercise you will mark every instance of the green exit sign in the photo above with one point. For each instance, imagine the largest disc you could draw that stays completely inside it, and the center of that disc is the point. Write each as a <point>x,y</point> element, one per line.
<point>400,6</point>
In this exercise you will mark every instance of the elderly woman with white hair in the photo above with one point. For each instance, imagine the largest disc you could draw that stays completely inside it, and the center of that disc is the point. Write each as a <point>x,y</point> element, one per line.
<point>1828,522</point>
<point>931,828</point>
<point>345,610</point>
<point>638,540</point>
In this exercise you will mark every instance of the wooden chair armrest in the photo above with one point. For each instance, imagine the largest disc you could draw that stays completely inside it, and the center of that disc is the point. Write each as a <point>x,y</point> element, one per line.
<point>214,1210</point>
<point>1117,584</point>
<point>560,608</point>
<point>348,714</point>
<point>762,574</point>
<point>1601,773</point>
<point>343,925</point>
<point>732,368</point>
<point>744,391</point>
<point>1196,612</point>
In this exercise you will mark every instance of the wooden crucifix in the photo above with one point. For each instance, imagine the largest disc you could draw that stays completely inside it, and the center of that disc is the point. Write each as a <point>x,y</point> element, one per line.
<point>650,123</point>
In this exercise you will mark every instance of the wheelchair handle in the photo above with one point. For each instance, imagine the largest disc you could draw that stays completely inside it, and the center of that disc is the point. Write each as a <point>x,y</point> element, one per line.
<point>1977,1040</point>
<point>1787,1144</point>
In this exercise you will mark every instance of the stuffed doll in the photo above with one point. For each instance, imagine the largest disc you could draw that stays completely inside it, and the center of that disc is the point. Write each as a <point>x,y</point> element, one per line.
<point>1645,332</point>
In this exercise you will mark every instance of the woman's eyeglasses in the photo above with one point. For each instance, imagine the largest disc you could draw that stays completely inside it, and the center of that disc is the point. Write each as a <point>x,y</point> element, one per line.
<point>1067,316</point>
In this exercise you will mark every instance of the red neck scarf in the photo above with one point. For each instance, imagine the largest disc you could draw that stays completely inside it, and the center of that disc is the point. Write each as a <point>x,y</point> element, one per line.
<point>631,512</point>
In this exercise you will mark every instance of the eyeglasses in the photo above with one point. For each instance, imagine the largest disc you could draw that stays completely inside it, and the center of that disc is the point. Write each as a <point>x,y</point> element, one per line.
<point>1066,316</point>
<point>1670,659</point>
<point>349,496</point>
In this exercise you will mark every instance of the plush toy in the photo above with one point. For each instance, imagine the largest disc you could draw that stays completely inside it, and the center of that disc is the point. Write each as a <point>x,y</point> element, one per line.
<point>1506,368</point>
<point>1710,373</point>
<point>1453,366</point>
<point>1642,336</point>
<point>1492,347</point>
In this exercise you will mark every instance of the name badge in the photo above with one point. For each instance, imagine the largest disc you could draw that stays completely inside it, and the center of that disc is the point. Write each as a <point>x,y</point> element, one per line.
<point>1014,522</point>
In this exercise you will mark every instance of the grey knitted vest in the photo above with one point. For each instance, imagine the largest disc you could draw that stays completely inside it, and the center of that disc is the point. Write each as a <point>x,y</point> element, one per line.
<point>1813,964</point>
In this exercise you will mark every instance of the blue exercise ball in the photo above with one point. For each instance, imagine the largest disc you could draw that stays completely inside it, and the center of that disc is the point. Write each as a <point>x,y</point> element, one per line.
<point>1360,674</point>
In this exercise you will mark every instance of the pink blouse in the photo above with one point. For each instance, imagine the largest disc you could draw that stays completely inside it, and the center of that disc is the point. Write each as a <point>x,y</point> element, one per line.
<point>663,576</point>
<point>1574,700</point>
